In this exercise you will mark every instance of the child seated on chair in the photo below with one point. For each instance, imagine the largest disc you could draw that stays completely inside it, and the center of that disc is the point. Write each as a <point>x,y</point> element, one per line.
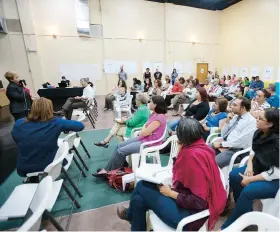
<point>152,131</point>
<point>123,127</point>
<point>197,186</point>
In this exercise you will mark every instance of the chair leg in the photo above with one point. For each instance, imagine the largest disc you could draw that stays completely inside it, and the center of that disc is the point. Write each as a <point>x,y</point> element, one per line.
<point>78,165</point>
<point>88,155</point>
<point>71,182</point>
<point>71,196</point>
<point>90,119</point>
<point>80,158</point>
<point>48,215</point>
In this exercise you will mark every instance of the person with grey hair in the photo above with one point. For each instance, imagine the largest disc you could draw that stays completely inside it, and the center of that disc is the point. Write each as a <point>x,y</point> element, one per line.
<point>196,186</point>
<point>124,126</point>
<point>78,101</point>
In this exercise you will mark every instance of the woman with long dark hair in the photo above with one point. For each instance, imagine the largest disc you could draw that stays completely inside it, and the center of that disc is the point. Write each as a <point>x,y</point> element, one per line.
<point>259,179</point>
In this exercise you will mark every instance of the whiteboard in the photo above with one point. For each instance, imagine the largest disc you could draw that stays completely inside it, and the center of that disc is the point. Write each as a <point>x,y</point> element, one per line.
<point>74,72</point>
<point>179,66</point>
<point>244,72</point>
<point>113,66</point>
<point>255,71</point>
<point>188,67</point>
<point>234,70</point>
<point>268,73</point>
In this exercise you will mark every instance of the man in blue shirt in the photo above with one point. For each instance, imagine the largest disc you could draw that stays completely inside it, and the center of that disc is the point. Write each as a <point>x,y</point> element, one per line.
<point>273,100</point>
<point>254,87</point>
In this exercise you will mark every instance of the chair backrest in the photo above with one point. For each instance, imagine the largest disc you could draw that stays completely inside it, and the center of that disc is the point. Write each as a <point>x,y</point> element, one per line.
<point>153,142</point>
<point>174,149</point>
<point>263,221</point>
<point>54,168</point>
<point>70,139</point>
<point>38,205</point>
<point>222,178</point>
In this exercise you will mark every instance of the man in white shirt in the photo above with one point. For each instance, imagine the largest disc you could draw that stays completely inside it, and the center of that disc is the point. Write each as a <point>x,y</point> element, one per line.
<point>77,102</point>
<point>215,90</point>
<point>237,133</point>
<point>230,93</point>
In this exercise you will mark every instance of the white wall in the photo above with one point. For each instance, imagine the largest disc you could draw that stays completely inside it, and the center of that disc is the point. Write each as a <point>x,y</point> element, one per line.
<point>250,35</point>
<point>124,21</point>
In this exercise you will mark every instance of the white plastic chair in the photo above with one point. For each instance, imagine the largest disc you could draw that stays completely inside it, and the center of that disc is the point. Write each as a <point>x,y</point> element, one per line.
<point>38,205</point>
<point>135,158</point>
<point>156,170</point>
<point>54,170</point>
<point>159,225</point>
<point>85,112</point>
<point>74,140</point>
<point>263,221</point>
<point>127,108</point>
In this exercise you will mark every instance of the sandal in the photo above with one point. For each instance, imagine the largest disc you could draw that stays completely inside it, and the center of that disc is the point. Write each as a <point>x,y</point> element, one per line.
<point>97,174</point>
<point>101,144</point>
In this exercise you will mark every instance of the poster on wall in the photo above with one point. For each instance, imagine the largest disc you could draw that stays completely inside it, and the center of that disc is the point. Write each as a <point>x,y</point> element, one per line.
<point>268,73</point>
<point>168,69</point>
<point>244,72</point>
<point>226,71</point>
<point>255,71</point>
<point>75,72</point>
<point>159,66</point>
<point>188,67</point>
<point>178,66</point>
<point>113,67</point>
<point>234,70</point>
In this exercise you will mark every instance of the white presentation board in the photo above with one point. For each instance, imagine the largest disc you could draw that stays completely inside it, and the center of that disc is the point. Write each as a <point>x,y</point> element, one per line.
<point>113,66</point>
<point>268,73</point>
<point>74,72</point>
<point>255,71</point>
<point>244,72</point>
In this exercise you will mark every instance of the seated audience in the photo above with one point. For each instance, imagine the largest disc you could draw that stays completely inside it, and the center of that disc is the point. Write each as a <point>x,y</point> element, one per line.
<point>176,90</point>
<point>230,92</point>
<point>207,85</point>
<point>157,89</point>
<point>197,84</point>
<point>237,133</point>
<point>259,103</point>
<point>227,80</point>
<point>259,179</point>
<point>223,80</point>
<point>137,85</point>
<point>18,95</point>
<point>186,96</point>
<point>246,82</point>
<point>124,127</point>
<point>254,87</point>
<point>219,112</point>
<point>273,100</point>
<point>147,85</point>
<point>116,92</point>
<point>77,102</point>
<point>166,84</point>
<point>151,131</point>
<point>195,164</point>
<point>198,109</point>
<point>36,136</point>
<point>64,80</point>
<point>232,80</point>
<point>215,90</point>
<point>158,75</point>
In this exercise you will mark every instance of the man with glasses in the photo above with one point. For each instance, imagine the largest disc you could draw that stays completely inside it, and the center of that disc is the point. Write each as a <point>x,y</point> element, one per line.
<point>237,133</point>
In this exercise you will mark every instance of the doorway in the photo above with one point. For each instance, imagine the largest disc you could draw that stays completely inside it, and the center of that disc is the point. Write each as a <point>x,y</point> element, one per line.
<point>202,72</point>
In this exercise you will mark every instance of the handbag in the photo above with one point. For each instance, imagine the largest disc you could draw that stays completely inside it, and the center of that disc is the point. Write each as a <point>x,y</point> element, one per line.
<point>115,178</point>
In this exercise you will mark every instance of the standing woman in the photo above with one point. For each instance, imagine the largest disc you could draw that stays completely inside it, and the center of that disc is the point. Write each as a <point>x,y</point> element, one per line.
<point>174,75</point>
<point>259,179</point>
<point>20,99</point>
<point>147,75</point>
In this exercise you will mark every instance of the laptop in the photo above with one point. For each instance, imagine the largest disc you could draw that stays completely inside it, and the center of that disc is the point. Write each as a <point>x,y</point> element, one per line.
<point>62,84</point>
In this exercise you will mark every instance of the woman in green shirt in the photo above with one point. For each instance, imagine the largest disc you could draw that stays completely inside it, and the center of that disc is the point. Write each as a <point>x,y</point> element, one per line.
<point>246,82</point>
<point>124,126</point>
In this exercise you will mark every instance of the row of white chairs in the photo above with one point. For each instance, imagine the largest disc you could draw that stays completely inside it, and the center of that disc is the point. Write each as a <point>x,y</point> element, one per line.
<point>18,203</point>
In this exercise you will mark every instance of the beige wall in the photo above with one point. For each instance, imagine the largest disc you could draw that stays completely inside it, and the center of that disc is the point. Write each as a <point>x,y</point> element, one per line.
<point>250,35</point>
<point>124,21</point>
<point>244,35</point>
